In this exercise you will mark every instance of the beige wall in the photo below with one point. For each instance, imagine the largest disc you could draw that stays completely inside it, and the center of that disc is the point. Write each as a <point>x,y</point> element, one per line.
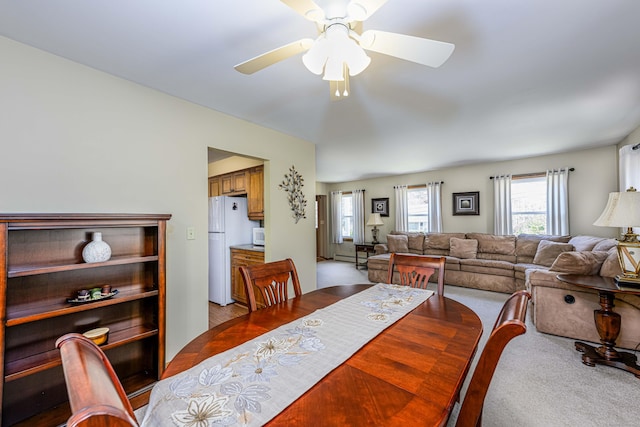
<point>232,164</point>
<point>594,177</point>
<point>78,140</point>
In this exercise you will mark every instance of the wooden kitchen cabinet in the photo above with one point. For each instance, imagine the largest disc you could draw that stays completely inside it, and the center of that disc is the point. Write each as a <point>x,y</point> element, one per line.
<point>255,195</point>
<point>243,258</point>
<point>214,186</point>
<point>234,184</point>
<point>249,182</point>
<point>41,268</point>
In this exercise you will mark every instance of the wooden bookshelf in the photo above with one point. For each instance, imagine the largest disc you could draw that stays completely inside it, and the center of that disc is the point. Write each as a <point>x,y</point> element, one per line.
<point>41,268</point>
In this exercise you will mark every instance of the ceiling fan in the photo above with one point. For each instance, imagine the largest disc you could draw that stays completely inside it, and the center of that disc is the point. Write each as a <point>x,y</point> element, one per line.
<point>339,50</point>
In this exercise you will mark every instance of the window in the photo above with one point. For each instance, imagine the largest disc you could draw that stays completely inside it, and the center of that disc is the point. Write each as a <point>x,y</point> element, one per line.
<point>529,205</point>
<point>347,215</point>
<point>418,209</point>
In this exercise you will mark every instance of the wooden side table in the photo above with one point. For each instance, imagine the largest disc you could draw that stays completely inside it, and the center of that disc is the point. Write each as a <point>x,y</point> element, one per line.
<point>364,247</point>
<point>607,323</point>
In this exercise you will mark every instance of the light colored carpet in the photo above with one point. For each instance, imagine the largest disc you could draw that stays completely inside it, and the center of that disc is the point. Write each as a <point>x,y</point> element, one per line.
<point>540,380</point>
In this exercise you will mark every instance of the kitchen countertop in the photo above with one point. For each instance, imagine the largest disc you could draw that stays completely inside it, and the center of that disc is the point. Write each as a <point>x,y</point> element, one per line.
<point>248,247</point>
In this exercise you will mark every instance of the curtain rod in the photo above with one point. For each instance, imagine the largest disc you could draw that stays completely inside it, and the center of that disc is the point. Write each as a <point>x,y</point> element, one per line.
<point>416,185</point>
<point>524,175</point>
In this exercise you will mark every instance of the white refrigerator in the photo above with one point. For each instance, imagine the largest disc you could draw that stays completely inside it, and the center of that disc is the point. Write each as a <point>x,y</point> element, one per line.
<point>228,226</point>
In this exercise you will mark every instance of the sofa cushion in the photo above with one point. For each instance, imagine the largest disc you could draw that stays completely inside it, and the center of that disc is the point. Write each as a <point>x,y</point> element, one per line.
<point>583,262</point>
<point>398,243</point>
<point>585,243</point>
<point>605,245</point>
<point>463,248</point>
<point>440,241</point>
<point>548,251</point>
<point>527,245</point>
<point>416,242</point>
<point>611,265</point>
<point>491,243</point>
<point>484,266</point>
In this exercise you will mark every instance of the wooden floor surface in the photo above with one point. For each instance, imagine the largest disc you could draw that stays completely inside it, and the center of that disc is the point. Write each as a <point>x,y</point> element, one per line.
<point>218,314</point>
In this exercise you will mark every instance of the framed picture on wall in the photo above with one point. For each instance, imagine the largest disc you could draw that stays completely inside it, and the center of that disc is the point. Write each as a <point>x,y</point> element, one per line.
<point>466,203</point>
<point>380,206</point>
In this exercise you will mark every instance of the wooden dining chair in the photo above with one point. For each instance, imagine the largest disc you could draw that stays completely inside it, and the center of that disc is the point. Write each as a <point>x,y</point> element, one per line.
<point>415,270</point>
<point>96,396</point>
<point>272,280</point>
<point>510,324</point>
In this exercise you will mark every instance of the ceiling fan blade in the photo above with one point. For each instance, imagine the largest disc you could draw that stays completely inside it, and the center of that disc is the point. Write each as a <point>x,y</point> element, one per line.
<point>307,8</point>
<point>360,10</point>
<point>428,52</point>
<point>273,56</point>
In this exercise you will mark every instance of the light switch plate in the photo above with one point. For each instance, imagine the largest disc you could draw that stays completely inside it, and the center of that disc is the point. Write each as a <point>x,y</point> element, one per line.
<point>191,233</point>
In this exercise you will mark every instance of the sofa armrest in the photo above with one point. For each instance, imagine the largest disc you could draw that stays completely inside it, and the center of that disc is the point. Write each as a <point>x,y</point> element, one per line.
<point>381,248</point>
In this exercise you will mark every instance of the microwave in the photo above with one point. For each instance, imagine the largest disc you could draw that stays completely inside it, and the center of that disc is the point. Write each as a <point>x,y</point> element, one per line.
<point>258,236</point>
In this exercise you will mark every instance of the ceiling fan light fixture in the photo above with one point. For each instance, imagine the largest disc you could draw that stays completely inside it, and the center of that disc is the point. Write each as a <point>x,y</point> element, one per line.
<point>340,49</point>
<point>357,59</point>
<point>333,71</point>
<point>317,56</point>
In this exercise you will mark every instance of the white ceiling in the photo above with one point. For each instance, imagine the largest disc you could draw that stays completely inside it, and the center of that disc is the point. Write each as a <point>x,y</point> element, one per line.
<point>527,77</point>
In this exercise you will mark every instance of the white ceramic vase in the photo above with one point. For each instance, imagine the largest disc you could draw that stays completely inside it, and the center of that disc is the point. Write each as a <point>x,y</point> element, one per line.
<point>96,250</point>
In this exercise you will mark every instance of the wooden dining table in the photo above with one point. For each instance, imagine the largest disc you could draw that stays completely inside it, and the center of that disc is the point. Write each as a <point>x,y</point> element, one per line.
<point>412,372</point>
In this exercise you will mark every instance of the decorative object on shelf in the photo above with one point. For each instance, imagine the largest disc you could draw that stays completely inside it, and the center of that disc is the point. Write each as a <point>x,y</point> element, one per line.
<point>374,221</point>
<point>380,206</point>
<point>466,203</point>
<point>292,184</point>
<point>83,295</point>
<point>97,250</point>
<point>623,210</point>
<point>99,335</point>
<point>92,295</point>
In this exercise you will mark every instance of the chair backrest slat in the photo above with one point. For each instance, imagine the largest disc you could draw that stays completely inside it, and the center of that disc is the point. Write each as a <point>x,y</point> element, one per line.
<point>272,280</point>
<point>415,270</point>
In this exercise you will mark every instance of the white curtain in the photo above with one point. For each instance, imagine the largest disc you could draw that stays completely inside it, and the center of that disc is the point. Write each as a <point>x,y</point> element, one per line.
<point>402,208</point>
<point>558,201</point>
<point>502,205</point>
<point>434,203</point>
<point>358,216</point>
<point>630,170</point>
<point>336,216</point>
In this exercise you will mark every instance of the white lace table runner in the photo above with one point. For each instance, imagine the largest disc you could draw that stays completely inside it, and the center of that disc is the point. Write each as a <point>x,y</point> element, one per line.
<point>253,382</point>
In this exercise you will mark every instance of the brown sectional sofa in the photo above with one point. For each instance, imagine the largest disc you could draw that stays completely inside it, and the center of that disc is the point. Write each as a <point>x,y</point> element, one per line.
<point>509,263</point>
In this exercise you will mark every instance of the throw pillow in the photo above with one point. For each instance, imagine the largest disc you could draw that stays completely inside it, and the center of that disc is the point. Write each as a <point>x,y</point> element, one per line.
<point>548,251</point>
<point>611,265</point>
<point>398,243</point>
<point>463,248</point>
<point>527,244</point>
<point>585,243</point>
<point>583,262</point>
<point>605,245</point>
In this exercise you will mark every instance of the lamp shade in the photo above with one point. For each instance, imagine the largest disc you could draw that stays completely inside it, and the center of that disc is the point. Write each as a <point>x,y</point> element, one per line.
<point>622,210</point>
<point>375,220</point>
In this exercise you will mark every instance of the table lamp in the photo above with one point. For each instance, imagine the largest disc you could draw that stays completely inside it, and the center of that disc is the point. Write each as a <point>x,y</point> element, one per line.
<point>623,210</point>
<point>374,221</point>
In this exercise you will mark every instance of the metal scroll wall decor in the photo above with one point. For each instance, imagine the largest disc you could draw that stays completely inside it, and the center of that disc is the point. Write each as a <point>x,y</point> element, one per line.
<point>292,184</point>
